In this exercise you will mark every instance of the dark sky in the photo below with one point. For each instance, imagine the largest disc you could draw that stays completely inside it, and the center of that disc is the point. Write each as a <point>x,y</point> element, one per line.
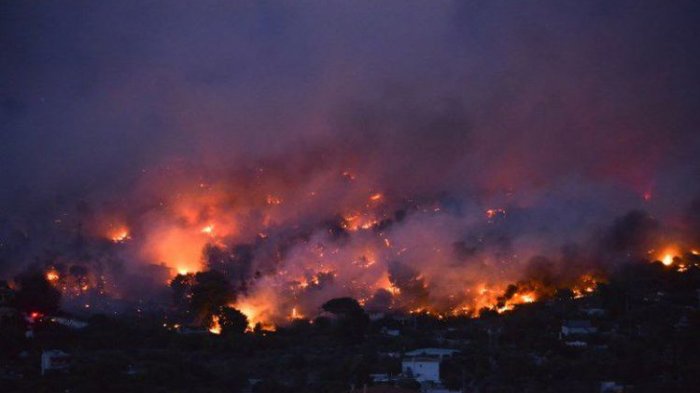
<point>493,94</point>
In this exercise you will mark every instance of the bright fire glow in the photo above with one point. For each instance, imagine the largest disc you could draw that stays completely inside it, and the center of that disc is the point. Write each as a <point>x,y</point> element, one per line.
<point>667,255</point>
<point>215,327</point>
<point>52,276</point>
<point>119,234</point>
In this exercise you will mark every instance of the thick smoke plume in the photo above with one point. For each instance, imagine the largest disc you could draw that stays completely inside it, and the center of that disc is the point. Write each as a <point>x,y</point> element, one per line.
<point>422,157</point>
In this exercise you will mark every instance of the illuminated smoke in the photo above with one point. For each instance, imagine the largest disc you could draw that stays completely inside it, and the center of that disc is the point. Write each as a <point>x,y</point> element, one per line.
<point>417,158</point>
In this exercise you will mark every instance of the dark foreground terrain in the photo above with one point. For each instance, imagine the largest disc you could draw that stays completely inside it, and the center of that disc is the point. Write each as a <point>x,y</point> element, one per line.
<point>640,333</point>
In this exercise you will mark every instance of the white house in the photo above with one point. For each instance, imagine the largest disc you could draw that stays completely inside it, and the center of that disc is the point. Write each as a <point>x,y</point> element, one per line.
<point>422,368</point>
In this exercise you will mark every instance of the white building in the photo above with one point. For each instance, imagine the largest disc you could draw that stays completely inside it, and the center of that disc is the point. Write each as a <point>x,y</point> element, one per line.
<point>422,368</point>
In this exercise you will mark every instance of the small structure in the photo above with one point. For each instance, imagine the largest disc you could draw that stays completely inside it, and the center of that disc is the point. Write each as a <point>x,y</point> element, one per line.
<point>569,328</point>
<point>54,360</point>
<point>440,353</point>
<point>611,387</point>
<point>422,368</point>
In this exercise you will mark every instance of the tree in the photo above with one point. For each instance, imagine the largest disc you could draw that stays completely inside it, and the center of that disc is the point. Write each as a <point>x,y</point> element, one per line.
<point>232,321</point>
<point>210,293</point>
<point>351,317</point>
<point>182,290</point>
<point>36,294</point>
<point>343,306</point>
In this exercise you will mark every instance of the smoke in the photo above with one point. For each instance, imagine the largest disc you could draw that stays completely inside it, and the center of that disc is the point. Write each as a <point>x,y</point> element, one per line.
<point>411,155</point>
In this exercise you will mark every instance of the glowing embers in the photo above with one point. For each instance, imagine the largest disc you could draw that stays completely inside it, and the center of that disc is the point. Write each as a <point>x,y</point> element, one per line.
<point>494,214</point>
<point>273,200</point>
<point>585,285</point>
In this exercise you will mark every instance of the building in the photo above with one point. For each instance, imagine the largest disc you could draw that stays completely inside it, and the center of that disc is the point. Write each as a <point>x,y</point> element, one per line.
<point>422,368</point>
<point>54,360</point>
<point>569,328</point>
<point>433,352</point>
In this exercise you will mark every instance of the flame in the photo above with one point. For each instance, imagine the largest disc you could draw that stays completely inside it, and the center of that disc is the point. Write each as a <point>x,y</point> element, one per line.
<point>668,254</point>
<point>376,197</point>
<point>528,297</point>
<point>52,276</point>
<point>209,229</point>
<point>257,312</point>
<point>215,327</point>
<point>295,314</point>
<point>119,234</point>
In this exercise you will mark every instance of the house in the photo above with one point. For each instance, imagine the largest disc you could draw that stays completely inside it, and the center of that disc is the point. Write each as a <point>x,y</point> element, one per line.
<point>569,328</point>
<point>433,352</point>
<point>54,360</point>
<point>422,368</point>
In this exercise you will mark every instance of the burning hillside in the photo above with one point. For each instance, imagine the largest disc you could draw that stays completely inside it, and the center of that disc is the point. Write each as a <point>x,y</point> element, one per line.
<point>445,158</point>
<point>284,247</point>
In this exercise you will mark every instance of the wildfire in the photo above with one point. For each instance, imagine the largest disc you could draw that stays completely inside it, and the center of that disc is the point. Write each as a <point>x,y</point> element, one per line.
<point>376,197</point>
<point>668,255</point>
<point>492,214</point>
<point>52,276</point>
<point>119,234</point>
<point>527,297</point>
<point>256,312</point>
<point>215,327</point>
<point>295,314</point>
<point>209,229</point>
